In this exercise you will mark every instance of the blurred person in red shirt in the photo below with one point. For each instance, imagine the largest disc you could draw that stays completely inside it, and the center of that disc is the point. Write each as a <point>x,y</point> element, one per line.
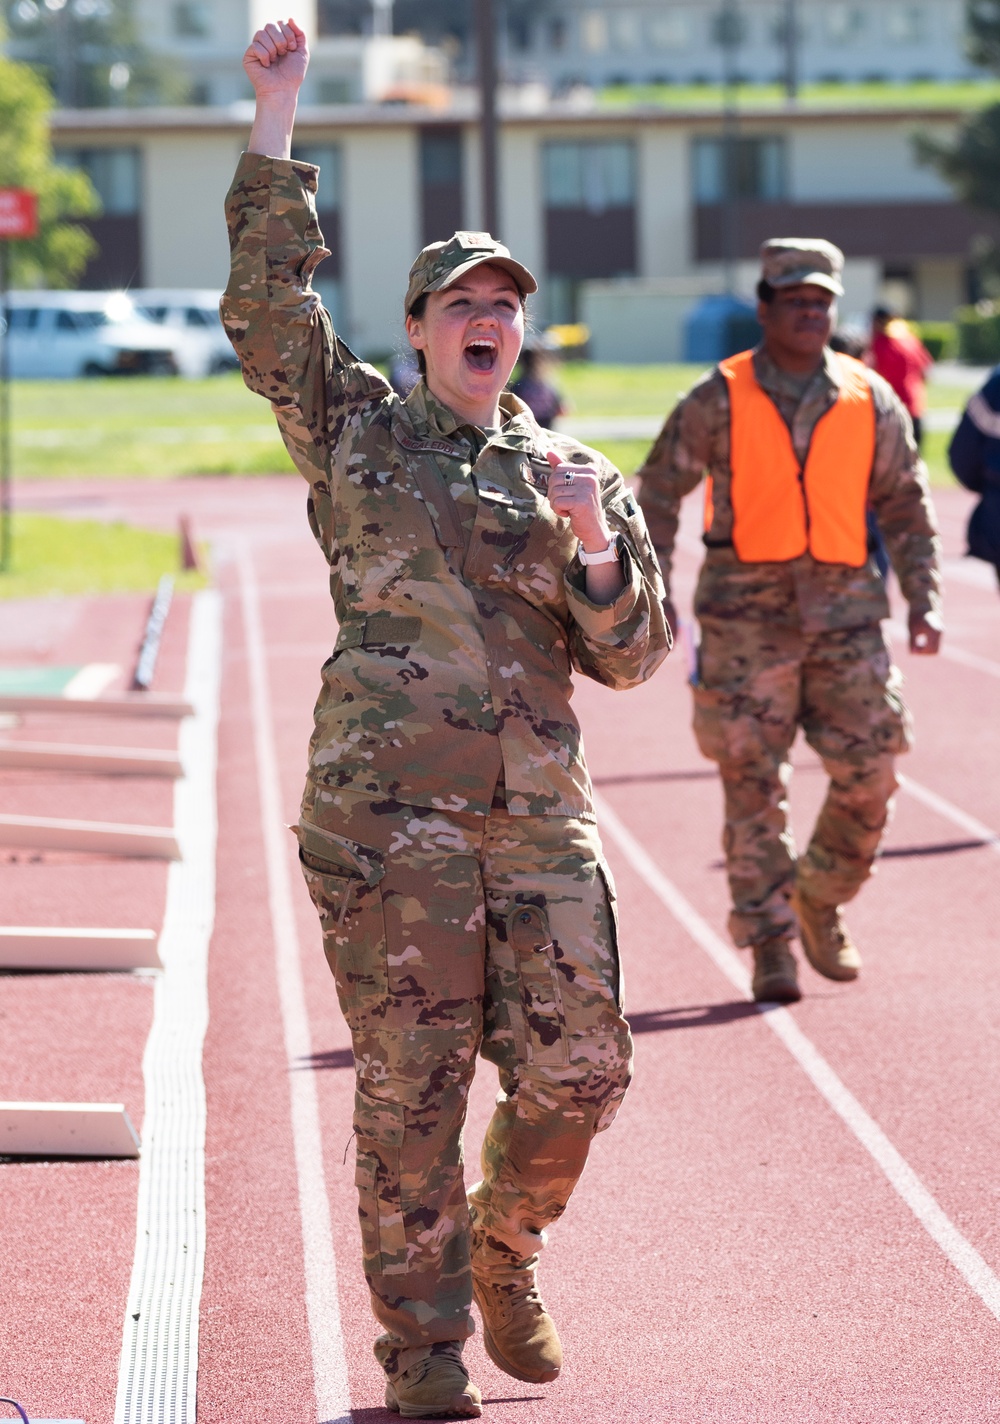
<point>902,359</point>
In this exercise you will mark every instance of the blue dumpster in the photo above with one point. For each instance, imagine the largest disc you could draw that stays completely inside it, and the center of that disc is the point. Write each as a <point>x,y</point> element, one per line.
<point>719,327</point>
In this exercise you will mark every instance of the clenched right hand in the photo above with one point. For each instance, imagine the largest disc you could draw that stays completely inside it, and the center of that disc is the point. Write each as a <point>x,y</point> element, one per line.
<point>277,59</point>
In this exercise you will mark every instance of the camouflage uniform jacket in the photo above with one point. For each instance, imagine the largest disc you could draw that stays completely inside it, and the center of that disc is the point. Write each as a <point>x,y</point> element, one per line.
<point>800,592</point>
<point>460,599</point>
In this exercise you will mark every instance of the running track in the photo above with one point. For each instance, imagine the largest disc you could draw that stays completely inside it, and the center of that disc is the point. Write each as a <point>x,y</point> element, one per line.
<point>795,1217</point>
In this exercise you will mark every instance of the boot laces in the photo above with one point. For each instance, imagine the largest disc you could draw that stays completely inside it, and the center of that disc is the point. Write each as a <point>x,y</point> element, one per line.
<point>450,1352</point>
<point>773,956</point>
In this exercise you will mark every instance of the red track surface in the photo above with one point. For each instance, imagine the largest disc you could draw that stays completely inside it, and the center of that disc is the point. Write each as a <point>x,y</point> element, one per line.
<point>733,1253</point>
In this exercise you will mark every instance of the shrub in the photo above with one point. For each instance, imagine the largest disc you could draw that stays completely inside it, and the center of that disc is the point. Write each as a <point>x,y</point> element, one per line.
<point>940,338</point>
<point>979,333</point>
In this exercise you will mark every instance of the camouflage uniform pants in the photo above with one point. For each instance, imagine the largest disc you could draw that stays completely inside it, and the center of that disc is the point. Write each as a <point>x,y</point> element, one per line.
<point>758,684</point>
<point>451,935</point>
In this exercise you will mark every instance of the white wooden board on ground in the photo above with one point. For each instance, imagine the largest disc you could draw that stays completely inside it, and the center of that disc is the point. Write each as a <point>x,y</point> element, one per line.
<point>93,761</point>
<point>66,1130</point>
<point>91,680</point>
<point>31,947</point>
<point>125,704</point>
<point>101,837</point>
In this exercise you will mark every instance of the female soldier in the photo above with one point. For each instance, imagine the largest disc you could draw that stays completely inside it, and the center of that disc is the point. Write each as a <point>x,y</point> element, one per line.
<point>447,830</point>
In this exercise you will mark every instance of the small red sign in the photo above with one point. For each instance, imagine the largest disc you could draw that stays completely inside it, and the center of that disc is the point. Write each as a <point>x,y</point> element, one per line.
<point>18,213</point>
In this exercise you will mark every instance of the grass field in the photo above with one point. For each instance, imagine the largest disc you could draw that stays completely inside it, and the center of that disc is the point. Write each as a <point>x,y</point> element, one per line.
<point>153,428</point>
<point>69,556</point>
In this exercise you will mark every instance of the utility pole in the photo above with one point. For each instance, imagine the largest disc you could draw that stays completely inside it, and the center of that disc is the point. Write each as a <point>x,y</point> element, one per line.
<point>729,32</point>
<point>791,38</point>
<point>486,54</point>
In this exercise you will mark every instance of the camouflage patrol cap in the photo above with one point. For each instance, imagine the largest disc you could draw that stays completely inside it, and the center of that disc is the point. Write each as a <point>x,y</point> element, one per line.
<point>793,261</point>
<point>443,263</point>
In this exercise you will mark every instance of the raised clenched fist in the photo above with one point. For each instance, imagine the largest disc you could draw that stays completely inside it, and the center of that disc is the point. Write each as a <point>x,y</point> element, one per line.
<point>277,59</point>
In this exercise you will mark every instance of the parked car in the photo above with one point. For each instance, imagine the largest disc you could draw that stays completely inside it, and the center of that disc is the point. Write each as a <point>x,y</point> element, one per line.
<point>65,334</point>
<point>193,313</point>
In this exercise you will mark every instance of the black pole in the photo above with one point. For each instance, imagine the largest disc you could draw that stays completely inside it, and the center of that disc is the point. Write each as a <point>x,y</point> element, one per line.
<point>791,49</point>
<point>5,499</point>
<point>486,54</point>
<point>729,36</point>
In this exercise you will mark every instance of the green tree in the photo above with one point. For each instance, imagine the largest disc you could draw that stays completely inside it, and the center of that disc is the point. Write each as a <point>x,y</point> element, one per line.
<point>971,163</point>
<point>62,249</point>
<point>982,25</point>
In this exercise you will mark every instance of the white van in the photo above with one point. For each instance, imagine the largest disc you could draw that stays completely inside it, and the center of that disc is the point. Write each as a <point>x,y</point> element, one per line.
<point>65,334</point>
<point>192,313</point>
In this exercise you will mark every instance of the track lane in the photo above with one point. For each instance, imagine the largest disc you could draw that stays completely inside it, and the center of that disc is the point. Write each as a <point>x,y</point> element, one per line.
<point>731,1254</point>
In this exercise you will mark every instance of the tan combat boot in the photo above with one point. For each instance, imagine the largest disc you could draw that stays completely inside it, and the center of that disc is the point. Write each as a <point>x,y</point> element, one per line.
<point>825,939</point>
<point>435,1387</point>
<point>775,973</point>
<point>519,1334</point>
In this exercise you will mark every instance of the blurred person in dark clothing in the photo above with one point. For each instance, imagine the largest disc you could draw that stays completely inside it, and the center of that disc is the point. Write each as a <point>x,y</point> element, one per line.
<point>532,385</point>
<point>974,456</point>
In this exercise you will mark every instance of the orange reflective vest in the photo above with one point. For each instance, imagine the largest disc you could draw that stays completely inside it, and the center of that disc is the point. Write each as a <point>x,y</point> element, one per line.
<point>781,509</point>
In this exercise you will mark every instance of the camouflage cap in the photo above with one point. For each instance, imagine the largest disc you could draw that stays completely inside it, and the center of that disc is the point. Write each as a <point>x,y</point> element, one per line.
<point>793,261</point>
<point>442,263</point>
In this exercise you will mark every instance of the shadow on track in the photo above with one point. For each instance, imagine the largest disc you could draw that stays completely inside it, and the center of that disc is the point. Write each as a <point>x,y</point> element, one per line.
<point>944,848</point>
<point>332,1058</point>
<point>693,1016</point>
<point>642,778</point>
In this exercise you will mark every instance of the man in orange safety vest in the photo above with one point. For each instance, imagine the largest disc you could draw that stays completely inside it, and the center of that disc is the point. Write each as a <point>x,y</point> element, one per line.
<point>796,444</point>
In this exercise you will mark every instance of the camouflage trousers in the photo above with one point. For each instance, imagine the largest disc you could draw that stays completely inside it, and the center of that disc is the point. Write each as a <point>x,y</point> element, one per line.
<point>452,935</point>
<point>757,685</point>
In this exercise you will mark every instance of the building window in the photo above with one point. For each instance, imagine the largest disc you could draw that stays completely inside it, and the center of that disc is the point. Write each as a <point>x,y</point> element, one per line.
<point>844,23</point>
<point>337,91</point>
<point>589,218</point>
<point>441,197</point>
<point>594,32</point>
<point>341,17</point>
<point>729,29</point>
<point>326,157</point>
<point>625,31</point>
<point>192,19</point>
<point>114,172</point>
<point>906,24</point>
<point>744,168</point>
<point>519,32</point>
<point>326,278</point>
<point>557,34</point>
<point>592,176</point>
<point>669,31</point>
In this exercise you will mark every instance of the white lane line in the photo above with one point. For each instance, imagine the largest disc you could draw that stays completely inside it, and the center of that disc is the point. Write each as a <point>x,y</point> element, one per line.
<point>949,651</point>
<point>158,1372</point>
<point>901,1176</point>
<point>951,812</point>
<point>322,1305</point>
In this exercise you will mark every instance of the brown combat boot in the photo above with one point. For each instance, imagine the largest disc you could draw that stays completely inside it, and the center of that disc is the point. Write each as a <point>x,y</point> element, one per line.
<point>775,973</point>
<point>519,1334</point>
<point>825,938</point>
<point>435,1387</point>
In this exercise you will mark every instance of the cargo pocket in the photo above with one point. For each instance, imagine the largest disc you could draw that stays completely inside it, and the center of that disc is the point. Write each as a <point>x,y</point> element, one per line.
<point>541,998</point>
<point>343,882</point>
<point>380,1127</point>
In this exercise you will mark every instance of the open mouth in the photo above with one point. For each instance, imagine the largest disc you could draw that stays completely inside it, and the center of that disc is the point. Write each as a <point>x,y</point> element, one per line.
<point>482,354</point>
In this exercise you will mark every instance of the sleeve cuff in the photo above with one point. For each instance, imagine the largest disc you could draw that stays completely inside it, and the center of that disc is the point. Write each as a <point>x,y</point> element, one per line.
<point>601,622</point>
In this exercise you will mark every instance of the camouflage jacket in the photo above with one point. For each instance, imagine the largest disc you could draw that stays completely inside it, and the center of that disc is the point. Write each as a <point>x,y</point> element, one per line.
<point>460,599</point>
<point>801,592</point>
